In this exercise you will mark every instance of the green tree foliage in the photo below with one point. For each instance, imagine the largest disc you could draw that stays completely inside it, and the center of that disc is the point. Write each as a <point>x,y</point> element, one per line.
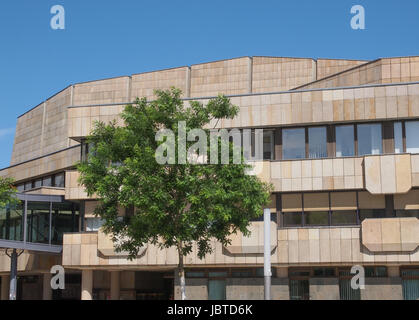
<point>175,204</point>
<point>7,192</point>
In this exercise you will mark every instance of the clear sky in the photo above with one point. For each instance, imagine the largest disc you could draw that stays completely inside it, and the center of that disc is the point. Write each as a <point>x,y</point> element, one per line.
<point>111,38</point>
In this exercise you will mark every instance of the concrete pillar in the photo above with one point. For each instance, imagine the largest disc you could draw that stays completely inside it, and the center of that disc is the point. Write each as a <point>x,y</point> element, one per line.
<point>46,287</point>
<point>87,285</point>
<point>115,285</point>
<point>5,281</point>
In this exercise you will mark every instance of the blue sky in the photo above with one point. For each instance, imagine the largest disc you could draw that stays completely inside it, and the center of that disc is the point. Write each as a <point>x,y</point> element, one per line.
<point>112,38</point>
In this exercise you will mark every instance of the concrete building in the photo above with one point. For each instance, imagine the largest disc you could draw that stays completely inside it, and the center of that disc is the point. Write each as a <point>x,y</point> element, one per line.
<point>341,148</point>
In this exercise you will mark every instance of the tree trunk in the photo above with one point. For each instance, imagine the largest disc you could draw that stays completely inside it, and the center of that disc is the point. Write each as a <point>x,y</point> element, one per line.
<point>181,272</point>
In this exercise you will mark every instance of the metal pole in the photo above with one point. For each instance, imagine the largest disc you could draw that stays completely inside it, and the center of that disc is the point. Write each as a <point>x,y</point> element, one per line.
<point>50,224</point>
<point>13,275</point>
<point>25,221</point>
<point>267,252</point>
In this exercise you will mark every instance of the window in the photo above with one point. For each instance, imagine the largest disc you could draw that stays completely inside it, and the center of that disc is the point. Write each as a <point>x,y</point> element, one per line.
<point>37,183</point>
<point>317,142</point>
<point>345,145</point>
<point>407,213</point>
<point>242,273</point>
<point>292,219</point>
<point>28,185</point>
<point>372,213</point>
<point>268,145</point>
<point>376,272</point>
<point>93,224</point>
<point>412,134</point>
<point>410,283</point>
<point>319,209</point>
<point>195,274</point>
<point>345,217</point>
<point>20,188</point>
<point>345,289</point>
<point>398,137</point>
<point>299,290</point>
<point>47,181</point>
<point>293,144</point>
<point>84,151</point>
<point>369,139</point>
<point>316,218</point>
<point>261,217</point>
<point>323,272</point>
<point>59,180</point>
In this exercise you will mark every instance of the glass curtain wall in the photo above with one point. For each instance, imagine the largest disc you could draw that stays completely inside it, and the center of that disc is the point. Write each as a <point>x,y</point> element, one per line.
<point>62,217</point>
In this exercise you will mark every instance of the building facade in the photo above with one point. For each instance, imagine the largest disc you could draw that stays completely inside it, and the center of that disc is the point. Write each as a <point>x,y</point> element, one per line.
<point>340,146</point>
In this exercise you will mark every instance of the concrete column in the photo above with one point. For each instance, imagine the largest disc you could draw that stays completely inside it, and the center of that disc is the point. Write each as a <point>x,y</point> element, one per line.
<point>46,287</point>
<point>5,280</point>
<point>115,285</point>
<point>87,285</point>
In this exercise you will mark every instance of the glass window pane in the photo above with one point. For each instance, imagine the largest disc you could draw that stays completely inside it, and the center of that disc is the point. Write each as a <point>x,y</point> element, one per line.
<point>195,274</point>
<point>243,273</point>
<point>64,220</point>
<point>374,272</point>
<point>299,290</point>
<point>346,292</point>
<point>46,182</point>
<point>292,219</point>
<point>324,272</point>
<point>412,136</point>
<point>38,222</point>
<point>407,213</point>
<point>317,218</point>
<point>293,144</point>
<point>20,187</point>
<point>217,274</point>
<point>369,139</point>
<point>398,138</point>
<point>317,142</point>
<point>37,183</point>
<point>373,213</point>
<point>59,180</point>
<point>343,218</point>
<point>93,224</point>
<point>28,185</point>
<point>345,146</point>
<point>268,145</point>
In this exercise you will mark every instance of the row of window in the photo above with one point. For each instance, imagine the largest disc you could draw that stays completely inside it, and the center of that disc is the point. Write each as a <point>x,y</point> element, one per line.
<point>340,218</point>
<point>228,273</point>
<point>347,140</point>
<point>299,280</point>
<point>56,180</point>
<point>299,283</point>
<point>335,209</point>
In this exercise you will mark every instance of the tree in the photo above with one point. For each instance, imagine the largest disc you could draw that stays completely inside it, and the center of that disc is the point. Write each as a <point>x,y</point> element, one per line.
<point>173,204</point>
<point>7,192</point>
